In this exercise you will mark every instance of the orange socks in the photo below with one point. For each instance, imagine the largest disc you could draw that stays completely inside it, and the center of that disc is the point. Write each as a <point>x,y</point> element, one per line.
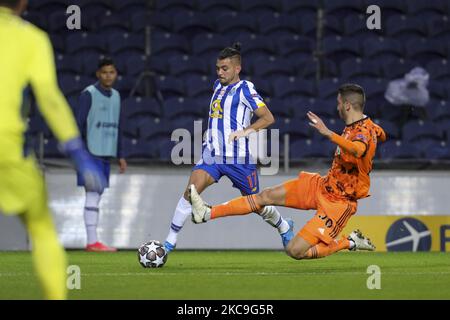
<point>238,206</point>
<point>322,250</point>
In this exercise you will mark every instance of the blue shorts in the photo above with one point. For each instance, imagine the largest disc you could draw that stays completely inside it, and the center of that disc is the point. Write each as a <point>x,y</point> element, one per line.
<point>104,166</point>
<point>243,176</point>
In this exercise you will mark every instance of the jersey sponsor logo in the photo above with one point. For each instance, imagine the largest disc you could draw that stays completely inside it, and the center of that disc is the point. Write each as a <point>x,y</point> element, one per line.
<point>100,124</point>
<point>216,110</point>
<point>408,234</point>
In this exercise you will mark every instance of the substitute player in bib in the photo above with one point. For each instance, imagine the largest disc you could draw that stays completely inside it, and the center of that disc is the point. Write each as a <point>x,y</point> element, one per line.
<point>334,196</point>
<point>226,147</point>
<point>99,120</point>
<point>26,57</point>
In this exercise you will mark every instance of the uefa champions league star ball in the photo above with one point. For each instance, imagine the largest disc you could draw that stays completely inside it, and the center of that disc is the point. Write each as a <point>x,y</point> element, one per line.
<point>152,254</point>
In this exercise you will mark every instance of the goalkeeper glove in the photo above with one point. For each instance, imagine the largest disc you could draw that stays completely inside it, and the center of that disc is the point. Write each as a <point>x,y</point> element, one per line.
<point>94,178</point>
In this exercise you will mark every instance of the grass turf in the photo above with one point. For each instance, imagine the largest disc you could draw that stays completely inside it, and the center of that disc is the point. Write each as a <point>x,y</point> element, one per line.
<point>239,275</point>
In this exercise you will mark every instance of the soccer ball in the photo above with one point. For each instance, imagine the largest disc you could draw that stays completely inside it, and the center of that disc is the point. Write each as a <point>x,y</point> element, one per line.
<point>152,254</point>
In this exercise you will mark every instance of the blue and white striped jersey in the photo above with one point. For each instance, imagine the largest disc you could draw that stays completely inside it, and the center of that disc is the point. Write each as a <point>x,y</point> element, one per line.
<point>231,109</point>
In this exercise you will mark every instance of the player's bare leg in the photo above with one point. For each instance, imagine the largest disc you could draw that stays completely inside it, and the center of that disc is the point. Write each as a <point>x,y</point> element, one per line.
<point>201,180</point>
<point>201,212</point>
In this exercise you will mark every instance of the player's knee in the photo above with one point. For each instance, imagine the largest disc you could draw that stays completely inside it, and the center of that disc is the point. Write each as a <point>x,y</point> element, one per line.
<point>294,252</point>
<point>266,197</point>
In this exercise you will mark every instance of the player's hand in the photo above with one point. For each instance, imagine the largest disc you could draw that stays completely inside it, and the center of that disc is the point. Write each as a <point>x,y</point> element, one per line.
<point>318,124</point>
<point>122,165</point>
<point>94,178</point>
<point>236,135</point>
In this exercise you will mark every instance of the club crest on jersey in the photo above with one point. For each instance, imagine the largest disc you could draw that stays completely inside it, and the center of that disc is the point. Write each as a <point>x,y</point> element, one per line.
<point>216,110</point>
<point>232,92</point>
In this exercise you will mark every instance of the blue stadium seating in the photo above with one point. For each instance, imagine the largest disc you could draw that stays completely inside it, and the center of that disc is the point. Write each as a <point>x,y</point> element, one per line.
<point>425,50</point>
<point>236,23</point>
<point>292,87</point>
<point>342,8</point>
<point>214,6</point>
<point>136,107</point>
<point>198,86</point>
<point>69,64</point>
<point>389,8</point>
<point>260,7</point>
<point>169,43</point>
<point>339,49</point>
<point>438,151</point>
<point>300,6</point>
<point>416,130</point>
<point>191,65</point>
<point>138,148</point>
<point>396,149</point>
<point>86,42</point>
<point>192,23</point>
<point>405,28</point>
<point>382,48</point>
<point>170,86</point>
<point>390,128</point>
<point>290,45</point>
<point>311,148</point>
<point>174,6</point>
<point>207,43</point>
<point>272,66</point>
<point>358,68</point>
<point>438,27</point>
<point>419,7</point>
<point>181,107</point>
<point>275,24</point>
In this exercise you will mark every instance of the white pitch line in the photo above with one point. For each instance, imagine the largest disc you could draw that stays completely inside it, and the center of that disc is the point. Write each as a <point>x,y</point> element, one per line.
<point>157,273</point>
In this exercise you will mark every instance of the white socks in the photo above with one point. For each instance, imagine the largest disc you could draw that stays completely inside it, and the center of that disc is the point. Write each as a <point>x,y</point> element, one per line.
<point>91,211</point>
<point>182,212</point>
<point>272,216</point>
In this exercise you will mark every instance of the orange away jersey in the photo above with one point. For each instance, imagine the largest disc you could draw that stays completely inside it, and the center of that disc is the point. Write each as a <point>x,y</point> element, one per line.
<point>348,177</point>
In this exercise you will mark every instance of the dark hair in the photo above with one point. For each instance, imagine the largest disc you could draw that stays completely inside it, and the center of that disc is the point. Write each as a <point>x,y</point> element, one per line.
<point>354,94</point>
<point>231,52</point>
<point>9,3</point>
<point>104,62</point>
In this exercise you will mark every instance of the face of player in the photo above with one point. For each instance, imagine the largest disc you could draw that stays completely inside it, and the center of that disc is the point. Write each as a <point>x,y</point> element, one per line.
<point>107,75</point>
<point>227,71</point>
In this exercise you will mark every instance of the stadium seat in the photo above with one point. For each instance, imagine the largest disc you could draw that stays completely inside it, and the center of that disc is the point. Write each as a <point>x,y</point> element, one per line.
<point>309,25</point>
<point>296,129</point>
<point>339,49</point>
<point>254,46</point>
<point>437,90</point>
<point>356,68</point>
<point>136,107</point>
<point>272,66</point>
<point>397,68</point>
<point>135,64</point>
<point>290,45</point>
<point>311,148</point>
<point>390,128</point>
<point>165,148</point>
<point>418,129</point>
<point>276,24</point>
<point>438,110</point>
<point>355,26</point>
<point>86,42</point>
<point>69,64</point>
<point>438,151</point>
<point>382,48</point>
<point>181,107</point>
<point>324,108</point>
<point>389,8</point>
<point>416,7</point>
<point>280,107</point>
<point>439,69</point>
<point>299,7</point>
<point>328,88</point>
<point>214,6</point>
<point>332,26</point>
<point>140,20</point>
<point>292,87</point>
<point>159,64</point>
<point>390,112</point>
<point>397,149</point>
<point>191,23</point>
<point>169,43</point>
<point>150,128</point>
<point>404,28</point>
<point>90,63</point>
<point>260,7</point>
<point>438,27</point>
<point>37,18</point>
<point>130,129</point>
<point>174,6</point>
<point>113,23</point>
<point>236,23</point>
<point>425,50</point>
<point>170,86</point>
<point>198,86</point>
<point>342,8</point>
<point>374,88</point>
<point>263,86</point>
<point>207,43</point>
<point>126,42</point>
<point>73,85</point>
<point>129,7</point>
<point>161,22</point>
<point>190,65</point>
<point>138,148</point>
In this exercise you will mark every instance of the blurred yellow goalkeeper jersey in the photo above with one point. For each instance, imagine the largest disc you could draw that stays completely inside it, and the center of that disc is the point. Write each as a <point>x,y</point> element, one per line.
<point>26,57</point>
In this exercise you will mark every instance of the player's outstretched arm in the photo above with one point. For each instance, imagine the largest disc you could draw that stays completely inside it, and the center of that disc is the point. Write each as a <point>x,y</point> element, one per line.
<point>265,119</point>
<point>357,148</point>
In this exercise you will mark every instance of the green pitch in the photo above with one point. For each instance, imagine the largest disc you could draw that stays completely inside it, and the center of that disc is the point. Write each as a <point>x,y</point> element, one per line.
<point>239,275</point>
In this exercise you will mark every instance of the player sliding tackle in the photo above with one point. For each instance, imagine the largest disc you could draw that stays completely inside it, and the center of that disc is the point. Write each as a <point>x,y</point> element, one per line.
<point>334,196</point>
